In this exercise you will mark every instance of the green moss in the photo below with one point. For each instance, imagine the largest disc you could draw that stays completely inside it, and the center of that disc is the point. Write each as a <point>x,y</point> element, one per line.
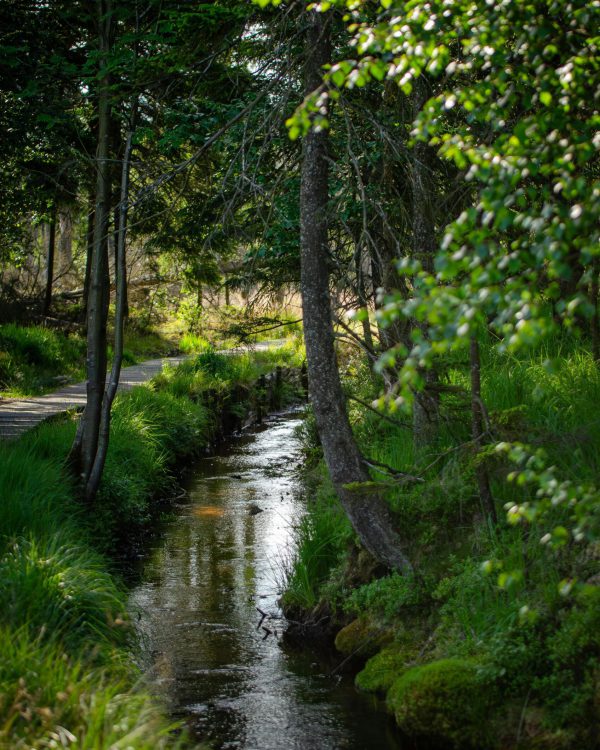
<point>444,701</point>
<point>362,637</point>
<point>383,669</point>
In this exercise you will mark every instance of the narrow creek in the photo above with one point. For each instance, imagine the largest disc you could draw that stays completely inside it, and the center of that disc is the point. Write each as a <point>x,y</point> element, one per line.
<point>235,684</point>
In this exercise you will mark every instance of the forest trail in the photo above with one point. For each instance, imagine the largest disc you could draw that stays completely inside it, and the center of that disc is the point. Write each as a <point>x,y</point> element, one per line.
<point>19,415</point>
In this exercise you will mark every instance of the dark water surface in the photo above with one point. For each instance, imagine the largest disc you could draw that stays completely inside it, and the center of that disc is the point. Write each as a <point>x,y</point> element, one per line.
<point>236,685</point>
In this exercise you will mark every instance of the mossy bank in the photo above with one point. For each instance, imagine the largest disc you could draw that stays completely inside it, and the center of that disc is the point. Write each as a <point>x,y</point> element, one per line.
<point>494,642</point>
<point>67,674</point>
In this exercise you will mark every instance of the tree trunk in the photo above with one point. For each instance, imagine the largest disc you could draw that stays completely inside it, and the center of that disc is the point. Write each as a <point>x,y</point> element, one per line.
<point>89,238</point>
<point>426,406</point>
<point>120,314</point>
<point>363,303</point>
<point>477,412</point>
<point>83,452</point>
<point>50,262</point>
<point>66,239</point>
<point>368,513</point>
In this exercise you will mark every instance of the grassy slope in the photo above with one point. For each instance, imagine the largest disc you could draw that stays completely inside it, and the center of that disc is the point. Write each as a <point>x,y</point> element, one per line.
<point>519,658</point>
<point>66,676</point>
<point>36,360</point>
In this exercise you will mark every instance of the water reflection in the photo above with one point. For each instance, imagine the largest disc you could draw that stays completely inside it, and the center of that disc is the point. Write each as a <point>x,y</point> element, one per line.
<point>218,563</point>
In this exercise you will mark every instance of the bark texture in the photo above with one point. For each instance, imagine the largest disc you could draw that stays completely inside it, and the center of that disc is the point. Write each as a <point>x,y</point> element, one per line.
<point>368,513</point>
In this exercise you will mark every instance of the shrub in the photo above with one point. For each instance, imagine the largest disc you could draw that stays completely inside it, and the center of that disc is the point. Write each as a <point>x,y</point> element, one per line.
<point>569,691</point>
<point>386,597</point>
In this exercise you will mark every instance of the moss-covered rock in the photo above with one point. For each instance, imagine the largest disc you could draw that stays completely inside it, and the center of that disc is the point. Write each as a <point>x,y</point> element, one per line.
<point>383,669</point>
<point>362,638</point>
<point>444,701</point>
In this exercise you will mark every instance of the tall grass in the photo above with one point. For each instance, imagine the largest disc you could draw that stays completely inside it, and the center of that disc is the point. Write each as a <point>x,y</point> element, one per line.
<point>66,675</point>
<point>321,538</point>
<point>64,678</point>
<point>49,698</point>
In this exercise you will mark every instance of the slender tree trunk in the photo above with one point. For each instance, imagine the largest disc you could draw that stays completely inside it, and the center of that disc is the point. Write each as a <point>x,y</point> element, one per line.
<point>50,262</point>
<point>83,452</point>
<point>89,238</point>
<point>364,305</point>
<point>477,414</point>
<point>388,231</point>
<point>368,513</point>
<point>120,314</point>
<point>426,406</point>
<point>65,245</point>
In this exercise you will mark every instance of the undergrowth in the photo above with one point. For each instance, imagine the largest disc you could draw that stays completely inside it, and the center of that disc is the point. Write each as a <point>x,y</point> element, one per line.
<point>526,614</point>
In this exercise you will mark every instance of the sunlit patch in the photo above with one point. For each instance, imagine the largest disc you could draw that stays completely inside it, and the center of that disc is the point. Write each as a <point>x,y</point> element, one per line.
<point>209,510</point>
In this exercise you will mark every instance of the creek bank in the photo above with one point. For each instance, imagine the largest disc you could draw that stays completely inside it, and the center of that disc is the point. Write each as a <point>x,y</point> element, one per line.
<point>495,643</point>
<point>67,675</point>
<point>445,693</point>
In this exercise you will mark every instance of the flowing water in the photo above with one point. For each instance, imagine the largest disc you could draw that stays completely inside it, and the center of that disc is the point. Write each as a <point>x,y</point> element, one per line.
<point>213,657</point>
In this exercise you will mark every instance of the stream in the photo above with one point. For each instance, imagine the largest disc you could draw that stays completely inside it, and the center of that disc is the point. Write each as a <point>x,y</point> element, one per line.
<point>211,656</point>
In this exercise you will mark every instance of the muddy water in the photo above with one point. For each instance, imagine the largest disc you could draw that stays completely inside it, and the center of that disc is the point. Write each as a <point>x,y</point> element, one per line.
<point>219,562</point>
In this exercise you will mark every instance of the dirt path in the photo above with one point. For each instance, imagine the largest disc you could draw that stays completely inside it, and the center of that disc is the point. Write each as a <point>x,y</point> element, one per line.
<point>19,415</point>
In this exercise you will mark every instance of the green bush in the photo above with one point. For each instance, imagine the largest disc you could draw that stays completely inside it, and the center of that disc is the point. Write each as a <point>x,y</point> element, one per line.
<point>386,597</point>
<point>569,690</point>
